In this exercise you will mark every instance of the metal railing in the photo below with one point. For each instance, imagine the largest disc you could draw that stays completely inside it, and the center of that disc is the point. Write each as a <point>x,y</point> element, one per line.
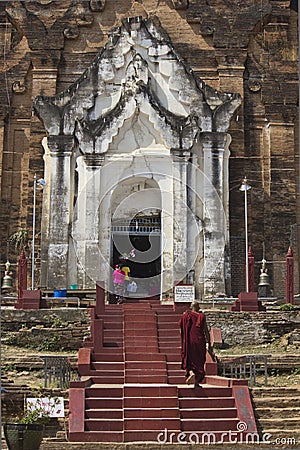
<point>57,370</point>
<point>131,229</point>
<point>246,366</point>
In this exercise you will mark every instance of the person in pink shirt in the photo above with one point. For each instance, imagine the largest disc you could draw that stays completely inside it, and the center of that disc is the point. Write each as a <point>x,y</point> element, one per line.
<point>119,284</point>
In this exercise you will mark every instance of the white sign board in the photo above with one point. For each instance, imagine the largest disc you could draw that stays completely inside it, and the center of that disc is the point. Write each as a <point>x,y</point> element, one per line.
<point>184,293</point>
<point>53,407</point>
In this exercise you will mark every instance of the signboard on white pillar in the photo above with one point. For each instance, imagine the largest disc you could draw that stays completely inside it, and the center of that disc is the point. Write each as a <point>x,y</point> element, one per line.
<point>184,293</point>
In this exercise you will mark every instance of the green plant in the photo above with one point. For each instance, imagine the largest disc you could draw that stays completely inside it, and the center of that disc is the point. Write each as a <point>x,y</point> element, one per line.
<point>287,307</point>
<point>9,368</point>
<point>54,321</point>
<point>37,410</point>
<point>12,340</point>
<point>19,239</point>
<point>51,344</point>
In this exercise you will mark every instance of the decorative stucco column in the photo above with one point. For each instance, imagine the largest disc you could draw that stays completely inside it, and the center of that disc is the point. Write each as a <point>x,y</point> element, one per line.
<point>215,196</point>
<point>180,221</point>
<point>60,179</point>
<point>165,183</point>
<point>86,265</point>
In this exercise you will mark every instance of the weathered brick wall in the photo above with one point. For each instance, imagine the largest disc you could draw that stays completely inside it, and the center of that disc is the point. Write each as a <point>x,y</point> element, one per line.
<point>45,329</point>
<point>245,47</point>
<point>253,329</point>
<point>237,328</point>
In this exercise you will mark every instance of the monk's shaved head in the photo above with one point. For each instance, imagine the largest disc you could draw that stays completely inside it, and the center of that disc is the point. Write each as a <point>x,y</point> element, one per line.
<point>195,306</point>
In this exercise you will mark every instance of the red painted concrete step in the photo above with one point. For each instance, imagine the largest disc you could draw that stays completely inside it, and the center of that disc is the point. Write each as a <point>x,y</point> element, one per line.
<point>104,424</point>
<point>209,402</point>
<point>102,403</point>
<point>139,413</point>
<point>106,366</point>
<point>209,424</point>
<point>105,378</point>
<point>142,356</point>
<point>208,413</point>
<point>143,403</point>
<point>104,391</point>
<point>204,392</point>
<point>115,356</point>
<point>97,436</point>
<point>142,350</point>
<point>110,414</point>
<point>146,365</point>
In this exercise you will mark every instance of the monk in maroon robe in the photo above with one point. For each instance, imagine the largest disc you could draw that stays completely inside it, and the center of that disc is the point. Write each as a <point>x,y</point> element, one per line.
<point>194,336</point>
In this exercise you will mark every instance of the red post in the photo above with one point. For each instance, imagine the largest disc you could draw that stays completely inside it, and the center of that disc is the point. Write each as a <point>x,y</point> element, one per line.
<point>290,276</point>
<point>100,298</point>
<point>22,274</point>
<point>250,269</point>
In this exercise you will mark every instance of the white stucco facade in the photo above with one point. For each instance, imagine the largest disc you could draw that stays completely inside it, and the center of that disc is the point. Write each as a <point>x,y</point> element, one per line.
<point>137,140</point>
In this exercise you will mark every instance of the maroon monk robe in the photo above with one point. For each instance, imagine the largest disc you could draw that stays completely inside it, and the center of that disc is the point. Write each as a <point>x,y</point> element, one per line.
<point>193,343</point>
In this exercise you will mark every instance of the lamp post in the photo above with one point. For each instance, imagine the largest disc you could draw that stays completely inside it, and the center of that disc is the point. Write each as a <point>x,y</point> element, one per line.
<point>245,188</point>
<point>41,182</point>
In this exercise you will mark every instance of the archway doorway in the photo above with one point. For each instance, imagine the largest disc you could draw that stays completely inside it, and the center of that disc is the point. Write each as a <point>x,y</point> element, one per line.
<point>136,234</point>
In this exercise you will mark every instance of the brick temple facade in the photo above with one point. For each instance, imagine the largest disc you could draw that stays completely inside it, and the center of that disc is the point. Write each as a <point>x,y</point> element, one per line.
<point>215,90</point>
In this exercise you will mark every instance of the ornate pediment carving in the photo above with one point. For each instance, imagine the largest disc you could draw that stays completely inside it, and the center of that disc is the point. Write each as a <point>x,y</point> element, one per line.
<point>138,72</point>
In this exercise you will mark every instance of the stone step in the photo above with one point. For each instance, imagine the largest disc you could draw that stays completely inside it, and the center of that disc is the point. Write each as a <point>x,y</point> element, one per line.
<point>288,438</point>
<point>274,423</point>
<point>275,392</point>
<point>273,402</point>
<point>284,412</point>
<point>275,362</point>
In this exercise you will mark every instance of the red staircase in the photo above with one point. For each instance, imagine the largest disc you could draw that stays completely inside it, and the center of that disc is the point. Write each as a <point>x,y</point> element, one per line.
<point>132,387</point>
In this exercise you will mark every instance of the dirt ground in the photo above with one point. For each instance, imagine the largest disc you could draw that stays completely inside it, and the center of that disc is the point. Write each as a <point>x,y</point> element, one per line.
<point>35,378</point>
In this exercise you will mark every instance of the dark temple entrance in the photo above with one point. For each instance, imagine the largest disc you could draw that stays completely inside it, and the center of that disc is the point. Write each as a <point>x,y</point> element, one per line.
<point>137,244</point>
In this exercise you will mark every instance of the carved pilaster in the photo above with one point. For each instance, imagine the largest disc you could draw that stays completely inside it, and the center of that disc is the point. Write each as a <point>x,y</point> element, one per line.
<point>215,219</point>
<point>180,202</point>
<point>94,160</point>
<point>60,179</point>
